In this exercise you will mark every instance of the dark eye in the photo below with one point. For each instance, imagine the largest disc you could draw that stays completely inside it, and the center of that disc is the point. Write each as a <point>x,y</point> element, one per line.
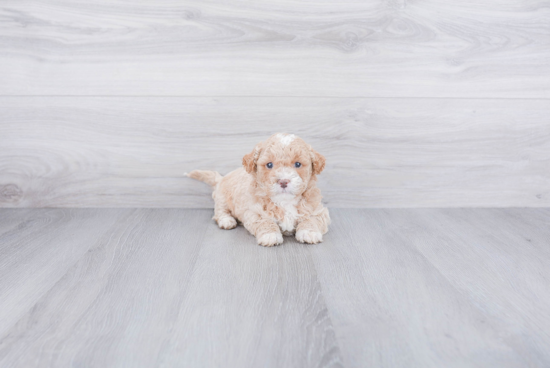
<point>297,164</point>
<point>269,165</point>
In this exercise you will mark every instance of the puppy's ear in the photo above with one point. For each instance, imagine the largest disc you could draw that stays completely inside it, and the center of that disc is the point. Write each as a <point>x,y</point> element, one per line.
<point>250,159</point>
<point>249,163</point>
<point>318,161</point>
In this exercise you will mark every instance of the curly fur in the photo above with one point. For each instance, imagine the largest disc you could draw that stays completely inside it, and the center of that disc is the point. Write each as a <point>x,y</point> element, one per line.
<point>254,195</point>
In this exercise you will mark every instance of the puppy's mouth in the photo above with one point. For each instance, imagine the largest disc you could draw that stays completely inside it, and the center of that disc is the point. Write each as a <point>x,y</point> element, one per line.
<point>280,190</point>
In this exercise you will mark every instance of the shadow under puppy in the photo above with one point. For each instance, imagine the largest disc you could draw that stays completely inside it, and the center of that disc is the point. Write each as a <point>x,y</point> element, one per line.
<point>274,193</point>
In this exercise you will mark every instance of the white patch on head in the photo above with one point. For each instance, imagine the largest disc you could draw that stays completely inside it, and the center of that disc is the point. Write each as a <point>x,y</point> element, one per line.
<point>286,139</point>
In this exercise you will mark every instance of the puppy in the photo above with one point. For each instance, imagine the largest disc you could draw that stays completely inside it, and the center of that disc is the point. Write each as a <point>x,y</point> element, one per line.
<point>274,193</point>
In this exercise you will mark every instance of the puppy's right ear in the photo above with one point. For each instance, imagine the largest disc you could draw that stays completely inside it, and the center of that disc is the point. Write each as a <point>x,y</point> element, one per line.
<point>249,160</point>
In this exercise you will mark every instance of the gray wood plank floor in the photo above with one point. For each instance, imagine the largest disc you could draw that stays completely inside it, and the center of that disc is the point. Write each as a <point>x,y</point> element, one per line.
<point>167,288</point>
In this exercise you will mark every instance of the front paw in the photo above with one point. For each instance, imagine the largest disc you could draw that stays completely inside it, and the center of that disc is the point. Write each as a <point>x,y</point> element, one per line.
<point>270,239</point>
<point>309,236</point>
<point>227,223</point>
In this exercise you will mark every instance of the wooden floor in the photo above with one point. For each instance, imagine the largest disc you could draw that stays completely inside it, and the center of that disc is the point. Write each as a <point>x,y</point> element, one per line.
<point>166,287</point>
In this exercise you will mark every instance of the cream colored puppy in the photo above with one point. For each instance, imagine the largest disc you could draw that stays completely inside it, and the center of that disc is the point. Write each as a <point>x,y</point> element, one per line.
<point>274,193</point>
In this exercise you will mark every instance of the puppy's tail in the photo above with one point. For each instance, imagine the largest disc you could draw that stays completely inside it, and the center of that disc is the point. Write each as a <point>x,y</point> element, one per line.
<point>209,177</point>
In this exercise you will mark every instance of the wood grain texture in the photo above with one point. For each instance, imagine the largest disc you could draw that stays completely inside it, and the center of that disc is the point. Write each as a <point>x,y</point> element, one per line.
<point>159,291</point>
<point>115,306</point>
<point>454,287</point>
<point>252,306</point>
<point>478,253</point>
<point>132,152</point>
<point>36,253</point>
<point>293,48</point>
<point>166,287</point>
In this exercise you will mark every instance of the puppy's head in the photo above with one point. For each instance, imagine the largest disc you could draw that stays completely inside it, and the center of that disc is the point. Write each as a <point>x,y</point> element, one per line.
<point>284,164</point>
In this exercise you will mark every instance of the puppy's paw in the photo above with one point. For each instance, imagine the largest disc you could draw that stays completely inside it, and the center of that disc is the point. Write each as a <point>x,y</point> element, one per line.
<point>270,239</point>
<point>227,223</point>
<point>309,236</point>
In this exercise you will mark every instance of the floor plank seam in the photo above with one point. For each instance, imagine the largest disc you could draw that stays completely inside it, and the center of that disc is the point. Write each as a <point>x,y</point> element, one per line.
<point>328,311</point>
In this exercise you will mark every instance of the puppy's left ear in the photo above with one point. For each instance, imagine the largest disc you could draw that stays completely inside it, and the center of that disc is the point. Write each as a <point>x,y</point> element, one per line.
<point>318,161</point>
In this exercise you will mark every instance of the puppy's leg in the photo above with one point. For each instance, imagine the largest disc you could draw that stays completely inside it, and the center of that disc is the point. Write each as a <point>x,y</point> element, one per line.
<point>222,214</point>
<point>311,228</point>
<point>266,231</point>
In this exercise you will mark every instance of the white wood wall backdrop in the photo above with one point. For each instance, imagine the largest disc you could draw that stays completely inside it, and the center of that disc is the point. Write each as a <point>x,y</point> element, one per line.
<point>381,152</point>
<point>395,48</point>
<point>414,103</point>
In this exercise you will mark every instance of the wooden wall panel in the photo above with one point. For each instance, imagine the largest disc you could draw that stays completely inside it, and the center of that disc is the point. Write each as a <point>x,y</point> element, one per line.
<point>133,151</point>
<point>377,48</point>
